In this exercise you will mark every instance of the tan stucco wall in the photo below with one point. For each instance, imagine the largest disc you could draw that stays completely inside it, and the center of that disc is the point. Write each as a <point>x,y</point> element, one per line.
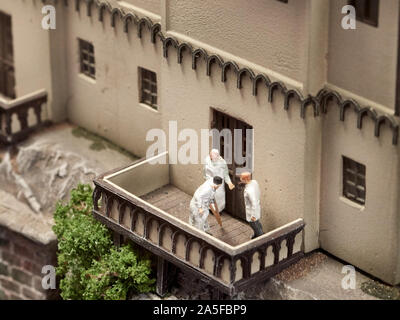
<point>271,34</point>
<point>364,236</point>
<point>153,6</point>
<point>287,148</point>
<point>110,104</point>
<point>279,154</point>
<point>31,53</point>
<point>364,61</point>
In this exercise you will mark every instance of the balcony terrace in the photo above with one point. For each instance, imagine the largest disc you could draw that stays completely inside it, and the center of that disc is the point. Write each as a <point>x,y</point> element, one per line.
<point>19,117</point>
<point>140,203</point>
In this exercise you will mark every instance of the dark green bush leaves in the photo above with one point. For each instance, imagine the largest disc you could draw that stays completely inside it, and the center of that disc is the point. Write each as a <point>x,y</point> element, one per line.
<point>89,265</point>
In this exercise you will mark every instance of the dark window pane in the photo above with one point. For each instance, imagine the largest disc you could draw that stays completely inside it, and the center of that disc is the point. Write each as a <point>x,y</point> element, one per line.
<point>87,59</point>
<point>354,187</point>
<point>148,87</point>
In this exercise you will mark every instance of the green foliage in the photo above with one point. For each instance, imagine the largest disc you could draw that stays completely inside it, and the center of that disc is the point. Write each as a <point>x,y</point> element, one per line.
<point>89,265</point>
<point>380,290</point>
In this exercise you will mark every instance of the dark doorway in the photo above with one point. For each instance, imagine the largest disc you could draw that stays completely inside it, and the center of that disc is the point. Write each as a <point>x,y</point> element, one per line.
<point>234,199</point>
<point>7,78</point>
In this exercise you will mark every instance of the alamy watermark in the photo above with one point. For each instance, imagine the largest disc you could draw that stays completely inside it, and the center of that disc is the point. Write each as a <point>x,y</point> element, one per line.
<point>349,21</point>
<point>49,20</point>
<point>49,280</point>
<point>190,143</point>
<point>349,280</point>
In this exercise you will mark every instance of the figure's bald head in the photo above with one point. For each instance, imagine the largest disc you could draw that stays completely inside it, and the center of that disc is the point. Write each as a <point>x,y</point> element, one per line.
<point>214,154</point>
<point>245,177</point>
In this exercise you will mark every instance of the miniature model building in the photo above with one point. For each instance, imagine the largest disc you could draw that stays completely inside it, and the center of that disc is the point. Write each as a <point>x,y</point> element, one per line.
<point>322,102</point>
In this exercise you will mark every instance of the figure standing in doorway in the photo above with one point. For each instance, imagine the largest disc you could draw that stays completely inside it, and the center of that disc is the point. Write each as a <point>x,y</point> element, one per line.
<point>215,166</point>
<point>252,203</point>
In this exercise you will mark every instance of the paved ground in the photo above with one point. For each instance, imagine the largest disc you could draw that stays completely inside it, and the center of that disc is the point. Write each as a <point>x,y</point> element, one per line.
<point>177,203</point>
<point>316,277</point>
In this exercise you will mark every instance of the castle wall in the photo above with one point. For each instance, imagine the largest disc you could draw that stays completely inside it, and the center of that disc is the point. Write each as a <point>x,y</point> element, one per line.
<point>109,105</point>
<point>364,61</point>
<point>270,34</point>
<point>363,235</point>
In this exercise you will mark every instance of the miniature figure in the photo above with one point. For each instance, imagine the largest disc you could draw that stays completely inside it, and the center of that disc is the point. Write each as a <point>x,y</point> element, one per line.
<point>201,203</point>
<point>214,166</point>
<point>252,203</point>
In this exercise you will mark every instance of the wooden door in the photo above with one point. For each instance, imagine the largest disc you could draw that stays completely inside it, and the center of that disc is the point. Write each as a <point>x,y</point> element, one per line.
<point>7,79</point>
<point>234,199</point>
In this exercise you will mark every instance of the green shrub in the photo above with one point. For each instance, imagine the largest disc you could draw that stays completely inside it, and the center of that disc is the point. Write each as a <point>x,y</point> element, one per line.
<point>89,265</point>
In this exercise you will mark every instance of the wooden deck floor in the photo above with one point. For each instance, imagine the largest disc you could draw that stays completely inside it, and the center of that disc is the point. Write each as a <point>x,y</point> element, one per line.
<point>176,202</point>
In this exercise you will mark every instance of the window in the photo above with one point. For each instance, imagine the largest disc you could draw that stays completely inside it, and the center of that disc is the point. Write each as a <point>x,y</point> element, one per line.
<point>87,60</point>
<point>354,181</point>
<point>148,87</point>
<point>367,11</point>
<point>7,78</point>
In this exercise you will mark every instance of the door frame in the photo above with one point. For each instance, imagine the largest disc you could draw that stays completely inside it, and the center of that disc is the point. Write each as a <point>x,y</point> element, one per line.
<point>234,199</point>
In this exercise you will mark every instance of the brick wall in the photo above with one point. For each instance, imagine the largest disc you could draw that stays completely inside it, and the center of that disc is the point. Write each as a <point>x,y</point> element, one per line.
<point>21,262</point>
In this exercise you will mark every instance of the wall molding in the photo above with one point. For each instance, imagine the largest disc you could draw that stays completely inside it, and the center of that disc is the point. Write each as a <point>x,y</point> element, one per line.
<point>319,103</point>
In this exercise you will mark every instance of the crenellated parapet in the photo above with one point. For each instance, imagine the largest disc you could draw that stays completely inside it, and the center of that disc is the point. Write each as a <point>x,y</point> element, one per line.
<point>318,103</point>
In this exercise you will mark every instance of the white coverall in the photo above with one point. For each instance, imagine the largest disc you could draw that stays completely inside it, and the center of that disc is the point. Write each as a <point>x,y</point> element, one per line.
<point>252,200</point>
<point>203,197</point>
<point>218,168</point>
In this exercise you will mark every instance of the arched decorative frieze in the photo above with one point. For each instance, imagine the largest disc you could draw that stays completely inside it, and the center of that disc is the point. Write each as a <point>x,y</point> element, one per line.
<point>273,87</point>
<point>168,41</point>
<point>196,54</point>
<point>260,78</point>
<point>109,199</point>
<point>213,59</point>
<point>289,95</point>
<point>384,119</point>
<point>326,96</point>
<point>203,249</point>
<point>174,237</point>
<point>192,253</point>
<point>219,263</point>
<point>96,196</point>
<point>346,105</point>
<point>229,65</point>
<point>89,4</point>
<point>102,7</point>
<point>182,47</point>
<point>116,12</point>
<point>188,246</point>
<point>121,209</point>
<point>366,112</point>
<point>310,100</point>
<point>320,102</point>
<point>155,29</point>
<point>243,72</point>
<point>129,18</point>
<point>149,224</point>
<point>143,22</point>
<point>134,216</point>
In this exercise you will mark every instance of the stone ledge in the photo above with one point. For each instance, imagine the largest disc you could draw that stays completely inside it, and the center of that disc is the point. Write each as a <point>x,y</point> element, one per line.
<point>18,217</point>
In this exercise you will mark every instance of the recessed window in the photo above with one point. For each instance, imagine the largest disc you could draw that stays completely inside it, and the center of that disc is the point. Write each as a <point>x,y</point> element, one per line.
<point>148,87</point>
<point>7,78</point>
<point>367,11</point>
<point>354,181</point>
<point>87,60</point>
